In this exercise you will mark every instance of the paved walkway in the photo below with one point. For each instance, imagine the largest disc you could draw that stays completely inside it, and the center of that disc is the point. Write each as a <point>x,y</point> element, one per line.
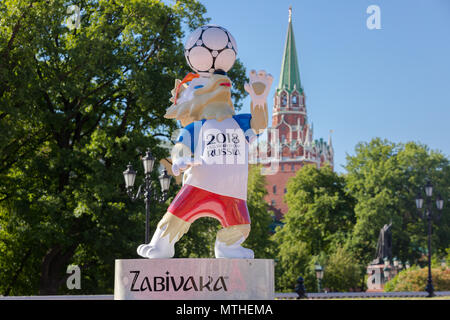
<point>329,295</point>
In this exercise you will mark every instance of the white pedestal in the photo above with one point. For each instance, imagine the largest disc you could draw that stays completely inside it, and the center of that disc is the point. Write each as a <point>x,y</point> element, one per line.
<point>194,279</point>
<point>375,279</point>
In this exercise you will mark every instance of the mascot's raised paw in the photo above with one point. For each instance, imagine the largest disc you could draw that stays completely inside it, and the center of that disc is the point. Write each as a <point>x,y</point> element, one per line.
<point>258,87</point>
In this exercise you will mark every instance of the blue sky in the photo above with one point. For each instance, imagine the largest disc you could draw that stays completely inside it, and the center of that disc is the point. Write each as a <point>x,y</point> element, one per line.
<point>392,83</point>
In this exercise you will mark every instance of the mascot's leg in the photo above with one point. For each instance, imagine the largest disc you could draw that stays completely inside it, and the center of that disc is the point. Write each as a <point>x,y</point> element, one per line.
<point>229,240</point>
<point>169,230</point>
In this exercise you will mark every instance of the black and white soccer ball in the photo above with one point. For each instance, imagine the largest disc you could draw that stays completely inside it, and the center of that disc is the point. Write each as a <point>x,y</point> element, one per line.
<point>210,48</point>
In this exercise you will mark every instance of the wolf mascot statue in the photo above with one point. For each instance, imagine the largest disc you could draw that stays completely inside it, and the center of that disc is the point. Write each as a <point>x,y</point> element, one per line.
<point>212,151</point>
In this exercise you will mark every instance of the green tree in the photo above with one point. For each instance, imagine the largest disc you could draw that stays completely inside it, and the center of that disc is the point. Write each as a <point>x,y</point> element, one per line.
<point>385,177</point>
<point>75,106</point>
<point>415,279</point>
<point>294,260</point>
<point>259,239</point>
<point>341,271</point>
<point>319,218</point>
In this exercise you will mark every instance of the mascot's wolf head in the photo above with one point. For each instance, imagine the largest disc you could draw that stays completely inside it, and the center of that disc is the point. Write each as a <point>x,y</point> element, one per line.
<point>196,98</point>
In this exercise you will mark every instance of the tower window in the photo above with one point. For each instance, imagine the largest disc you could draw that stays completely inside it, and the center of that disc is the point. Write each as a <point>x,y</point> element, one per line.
<point>283,100</point>
<point>285,190</point>
<point>293,167</point>
<point>274,188</point>
<point>295,100</point>
<point>282,167</point>
<point>273,203</point>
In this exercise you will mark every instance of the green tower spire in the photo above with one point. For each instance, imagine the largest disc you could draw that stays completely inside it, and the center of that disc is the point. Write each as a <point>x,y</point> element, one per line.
<point>290,73</point>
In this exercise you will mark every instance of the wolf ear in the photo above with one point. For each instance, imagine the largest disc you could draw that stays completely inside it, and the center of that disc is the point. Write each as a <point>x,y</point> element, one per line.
<point>180,90</point>
<point>174,90</point>
<point>174,111</point>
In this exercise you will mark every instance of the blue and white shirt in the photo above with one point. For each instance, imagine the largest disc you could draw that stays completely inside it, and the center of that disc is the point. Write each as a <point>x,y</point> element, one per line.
<point>220,150</point>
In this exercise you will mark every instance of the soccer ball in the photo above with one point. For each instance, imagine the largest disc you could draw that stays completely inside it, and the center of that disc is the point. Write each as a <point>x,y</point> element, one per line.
<point>210,48</point>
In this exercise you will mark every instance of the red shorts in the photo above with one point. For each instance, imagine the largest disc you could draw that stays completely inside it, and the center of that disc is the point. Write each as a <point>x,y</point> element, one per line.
<point>192,203</point>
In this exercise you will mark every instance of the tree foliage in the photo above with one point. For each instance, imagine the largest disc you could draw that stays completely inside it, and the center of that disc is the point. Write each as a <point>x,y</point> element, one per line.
<point>259,239</point>
<point>385,177</point>
<point>342,271</point>
<point>415,279</point>
<point>319,218</point>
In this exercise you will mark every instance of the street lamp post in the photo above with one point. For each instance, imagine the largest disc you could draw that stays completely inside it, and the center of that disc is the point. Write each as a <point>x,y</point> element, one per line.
<point>386,269</point>
<point>147,187</point>
<point>319,275</point>
<point>396,268</point>
<point>429,216</point>
<point>395,262</point>
<point>387,273</point>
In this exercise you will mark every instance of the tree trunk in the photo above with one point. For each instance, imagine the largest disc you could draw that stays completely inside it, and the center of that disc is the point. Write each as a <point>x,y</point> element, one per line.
<point>53,269</point>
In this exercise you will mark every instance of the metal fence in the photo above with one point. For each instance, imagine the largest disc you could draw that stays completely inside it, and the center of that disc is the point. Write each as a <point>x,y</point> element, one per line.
<point>361,295</point>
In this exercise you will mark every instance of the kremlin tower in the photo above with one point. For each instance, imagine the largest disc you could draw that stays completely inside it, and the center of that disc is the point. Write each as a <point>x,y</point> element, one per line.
<point>294,138</point>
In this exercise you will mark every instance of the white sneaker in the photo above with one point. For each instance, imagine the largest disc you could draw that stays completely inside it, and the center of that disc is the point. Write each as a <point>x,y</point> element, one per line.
<point>158,248</point>
<point>233,251</point>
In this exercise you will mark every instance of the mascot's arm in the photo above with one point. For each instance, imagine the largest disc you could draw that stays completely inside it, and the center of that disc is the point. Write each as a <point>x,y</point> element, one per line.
<point>181,158</point>
<point>259,88</point>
